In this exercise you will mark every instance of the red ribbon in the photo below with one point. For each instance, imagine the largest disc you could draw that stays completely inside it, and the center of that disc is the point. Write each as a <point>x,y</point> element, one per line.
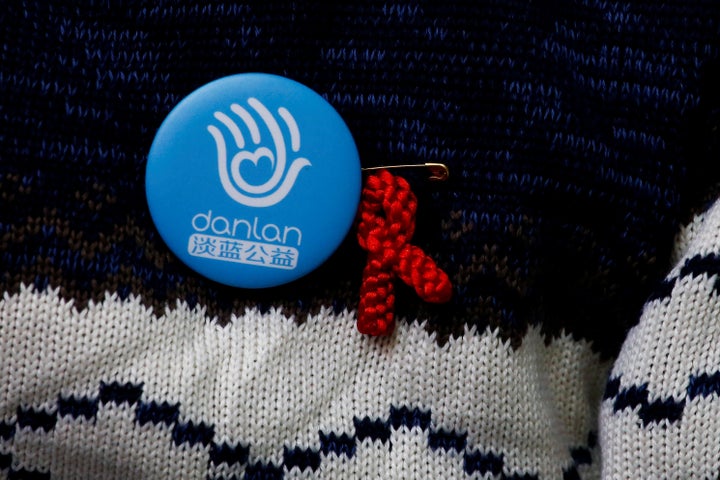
<point>386,226</point>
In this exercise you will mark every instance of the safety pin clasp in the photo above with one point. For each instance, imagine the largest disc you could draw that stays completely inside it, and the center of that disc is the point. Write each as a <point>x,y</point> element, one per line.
<point>439,172</point>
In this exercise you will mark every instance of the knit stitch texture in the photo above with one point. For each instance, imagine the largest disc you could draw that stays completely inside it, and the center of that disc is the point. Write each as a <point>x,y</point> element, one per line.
<point>577,135</point>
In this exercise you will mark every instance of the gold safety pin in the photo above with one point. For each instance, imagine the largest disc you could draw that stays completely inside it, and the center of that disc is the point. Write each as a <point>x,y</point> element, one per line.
<point>439,172</point>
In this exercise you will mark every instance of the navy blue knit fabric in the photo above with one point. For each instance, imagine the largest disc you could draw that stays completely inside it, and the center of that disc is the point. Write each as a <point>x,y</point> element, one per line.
<point>576,134</point>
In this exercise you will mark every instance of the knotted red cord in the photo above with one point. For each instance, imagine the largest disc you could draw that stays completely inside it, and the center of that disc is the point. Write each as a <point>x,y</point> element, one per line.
<point>387,223</point>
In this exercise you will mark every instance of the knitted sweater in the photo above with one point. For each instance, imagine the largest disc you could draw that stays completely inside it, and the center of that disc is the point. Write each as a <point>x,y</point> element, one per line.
<point>578,137</point>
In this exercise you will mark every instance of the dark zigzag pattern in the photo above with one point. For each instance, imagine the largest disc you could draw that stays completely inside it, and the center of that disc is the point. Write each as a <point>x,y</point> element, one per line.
<point>693,267</point>
<point>199,433</point>
<point>659,410</point>
<point>636,396</point>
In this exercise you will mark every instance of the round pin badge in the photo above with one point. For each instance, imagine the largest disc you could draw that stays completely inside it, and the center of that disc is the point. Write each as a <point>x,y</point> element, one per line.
<point>253,180</point>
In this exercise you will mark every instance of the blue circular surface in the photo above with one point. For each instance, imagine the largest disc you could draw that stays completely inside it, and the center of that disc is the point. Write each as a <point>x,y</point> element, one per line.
<point>253,180</point>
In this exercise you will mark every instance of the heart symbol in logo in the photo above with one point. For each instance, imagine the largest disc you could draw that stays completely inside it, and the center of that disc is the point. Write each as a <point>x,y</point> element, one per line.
<point>254,158</point>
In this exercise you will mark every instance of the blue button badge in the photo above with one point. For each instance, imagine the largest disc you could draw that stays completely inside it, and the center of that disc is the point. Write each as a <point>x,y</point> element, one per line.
<point>253,180</point>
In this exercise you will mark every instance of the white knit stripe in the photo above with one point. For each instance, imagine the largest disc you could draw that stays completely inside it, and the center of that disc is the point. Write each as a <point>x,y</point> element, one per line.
<point>687,236</point>
<point>592,470</point>
<point>687,449</point>
<point>227,471</point>
<point>672,350</point>
<point>108,449</point>
<point>267,382</point>
<point>440,464</point>
<point>673,339</point>
<point>700,237</point>
<point>372,460</point>
<point>297,474</point>
<point>410,458</point>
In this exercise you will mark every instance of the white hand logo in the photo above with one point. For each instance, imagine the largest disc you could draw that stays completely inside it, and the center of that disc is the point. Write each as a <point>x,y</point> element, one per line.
<point>272,191</point>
